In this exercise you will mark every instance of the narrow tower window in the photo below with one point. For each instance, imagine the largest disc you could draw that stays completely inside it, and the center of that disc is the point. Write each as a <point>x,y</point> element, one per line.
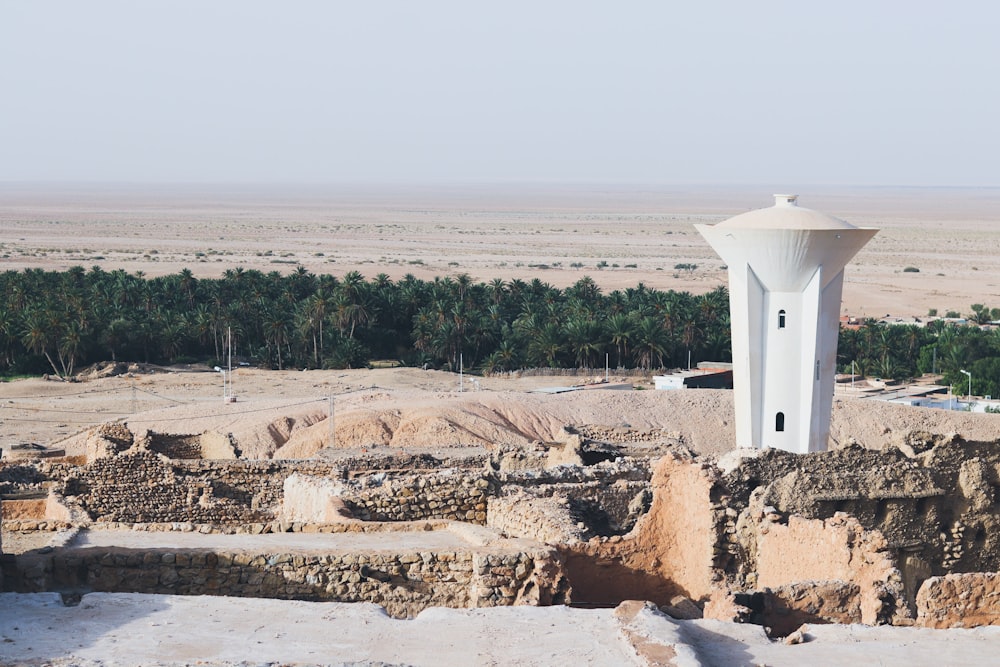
<point>779,422</point>
<point>781,319</point>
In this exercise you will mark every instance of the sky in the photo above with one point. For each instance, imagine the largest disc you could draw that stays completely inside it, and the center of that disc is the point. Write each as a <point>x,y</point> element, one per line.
<point>710,92</point>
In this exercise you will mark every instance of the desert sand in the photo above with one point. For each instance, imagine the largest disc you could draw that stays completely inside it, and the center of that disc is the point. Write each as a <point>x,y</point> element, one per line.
<point>284,414</point>
<point>411,409</point>
<point>952,236</point>
<point>555,233</point>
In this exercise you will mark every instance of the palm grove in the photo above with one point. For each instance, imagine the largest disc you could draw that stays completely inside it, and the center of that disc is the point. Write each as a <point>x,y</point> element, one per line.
<point>60,321</point>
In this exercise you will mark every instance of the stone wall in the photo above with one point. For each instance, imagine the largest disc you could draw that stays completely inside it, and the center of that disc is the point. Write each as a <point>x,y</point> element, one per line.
<point>173,446</point>
<point>21,477</point>
<point>609,496</point>
<point>959,601</point>
<point>404,582</point>
<point>140,486</point>
<point>545,519</point>
<point>455,495</point>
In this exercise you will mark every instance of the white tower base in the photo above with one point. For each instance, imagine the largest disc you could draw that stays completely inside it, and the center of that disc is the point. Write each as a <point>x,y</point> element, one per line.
<point>786,275</point>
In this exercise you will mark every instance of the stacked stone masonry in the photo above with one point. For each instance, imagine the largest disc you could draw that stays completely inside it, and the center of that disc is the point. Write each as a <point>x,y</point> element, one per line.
<point>403,582</point>
<point>142,486</point>
<point>907,533</point>
<point>459,497</point>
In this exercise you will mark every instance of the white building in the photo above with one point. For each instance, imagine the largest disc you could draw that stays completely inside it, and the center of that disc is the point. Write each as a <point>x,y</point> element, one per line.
<point>786,273</point>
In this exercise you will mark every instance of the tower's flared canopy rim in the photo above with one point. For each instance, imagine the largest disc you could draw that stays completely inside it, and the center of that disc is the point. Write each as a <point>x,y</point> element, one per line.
<point>785,214</point>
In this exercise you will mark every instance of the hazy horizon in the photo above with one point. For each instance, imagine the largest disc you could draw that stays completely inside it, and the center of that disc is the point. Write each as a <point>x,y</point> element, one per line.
<point>443,92</point>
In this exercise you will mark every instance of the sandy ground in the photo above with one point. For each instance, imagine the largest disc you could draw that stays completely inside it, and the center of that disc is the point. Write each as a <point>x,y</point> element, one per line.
<point>555,233</point>
<point>952,236</point>
<point>128,629</point>
<point>118,629</point>
<point>285,414</point>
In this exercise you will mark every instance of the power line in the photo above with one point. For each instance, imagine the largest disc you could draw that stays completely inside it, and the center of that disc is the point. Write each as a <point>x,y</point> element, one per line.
<point>126,417</point>
<point>69,412</point>
<point>52,421</point>
<point>228,414</point>
<point>78,393</point>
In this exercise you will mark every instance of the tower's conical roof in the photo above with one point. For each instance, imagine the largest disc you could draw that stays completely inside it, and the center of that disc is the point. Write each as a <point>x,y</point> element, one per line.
<point>785,214</point>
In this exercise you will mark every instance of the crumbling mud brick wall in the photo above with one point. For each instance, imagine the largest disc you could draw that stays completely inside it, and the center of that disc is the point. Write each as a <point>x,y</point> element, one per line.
<point>107,440</point>
<point>32,509</point>
<point>853,566</point>
<point>712,534</point>
<point>218,445</point>
<point>868,526</point>
<point>309,499</point>
<point>48,512</point>
<point>404,583</point>
<point>676,548</point>
<point>934,498</point>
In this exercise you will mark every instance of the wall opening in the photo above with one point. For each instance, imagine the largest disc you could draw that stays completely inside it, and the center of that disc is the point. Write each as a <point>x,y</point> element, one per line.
<point>881,511</point>
<point>779,422</point>
<point>781,319</point>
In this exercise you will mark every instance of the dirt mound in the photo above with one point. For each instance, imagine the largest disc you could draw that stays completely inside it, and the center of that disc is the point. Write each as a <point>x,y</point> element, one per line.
<point>878,424</point>
<point>407,419</point>
<point>284,414</point>
<point>700,419</point>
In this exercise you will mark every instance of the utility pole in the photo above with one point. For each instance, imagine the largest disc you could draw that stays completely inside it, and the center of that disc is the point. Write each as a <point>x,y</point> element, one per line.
<point>331,434</point>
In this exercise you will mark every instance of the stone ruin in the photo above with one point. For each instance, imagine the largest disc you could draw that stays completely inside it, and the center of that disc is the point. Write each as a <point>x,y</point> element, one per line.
<point>909,535</point>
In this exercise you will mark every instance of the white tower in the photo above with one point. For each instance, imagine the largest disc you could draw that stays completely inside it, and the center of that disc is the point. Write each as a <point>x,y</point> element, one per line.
<point>786,274</point>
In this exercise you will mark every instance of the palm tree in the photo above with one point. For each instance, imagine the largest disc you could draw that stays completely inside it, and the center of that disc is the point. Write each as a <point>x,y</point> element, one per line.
<point>650,343</point>
<point>172,338</point>
<point>497,290</point>
<point>188,283</point>
<point>276,332</point>
<point>316,309</point>
<point>585,340</point>
<point>547,346</point>
<point>620,331</point>
<point>37,335</point>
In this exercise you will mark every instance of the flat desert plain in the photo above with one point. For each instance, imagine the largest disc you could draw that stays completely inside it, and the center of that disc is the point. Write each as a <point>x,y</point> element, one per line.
<point>618,235</point>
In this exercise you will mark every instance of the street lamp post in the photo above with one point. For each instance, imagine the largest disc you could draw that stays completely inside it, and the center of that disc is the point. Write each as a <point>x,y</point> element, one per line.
<point>225,390</point>
<point>965,372</point>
